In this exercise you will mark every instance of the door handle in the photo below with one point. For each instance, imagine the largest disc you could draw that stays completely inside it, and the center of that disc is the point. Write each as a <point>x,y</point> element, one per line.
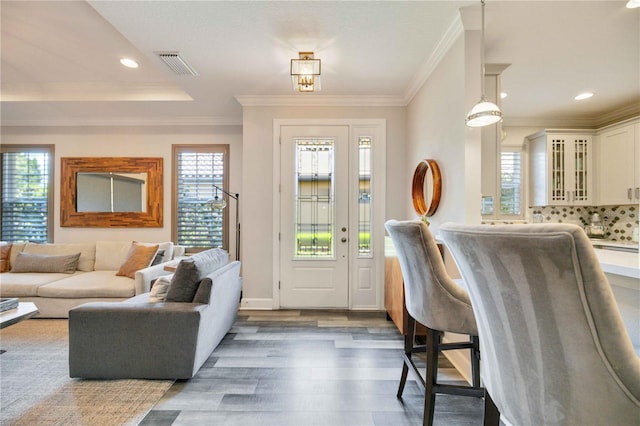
<point>343,239</point>
<point>637,192</point>
<point>629,193</point>
<point>344,229</point>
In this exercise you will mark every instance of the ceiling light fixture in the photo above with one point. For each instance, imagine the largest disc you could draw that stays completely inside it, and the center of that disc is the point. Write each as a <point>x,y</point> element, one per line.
<point>305,73</point>
<point>484,112</point>
<point>129,63</point>
<point>583,96</point>
<point>503,95</point>
<point>632,4</point>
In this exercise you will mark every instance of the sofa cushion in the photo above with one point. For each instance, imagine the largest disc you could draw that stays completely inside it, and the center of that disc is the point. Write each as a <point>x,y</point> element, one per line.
<point>27,284</point>
<point>111,254</point>
<point>5,252</point>
<point>191,270</point>
<point>15,249</point>
<point>158,292</point>
<point>87,252</point>
<point>139,257</point>
<point>90,284</point>
<point>203,295</point>
<point>26,262</point>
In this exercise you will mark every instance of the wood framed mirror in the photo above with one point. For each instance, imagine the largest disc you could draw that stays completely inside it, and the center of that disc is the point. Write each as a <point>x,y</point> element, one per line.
<point>111,192</point>
<point>426,187</point>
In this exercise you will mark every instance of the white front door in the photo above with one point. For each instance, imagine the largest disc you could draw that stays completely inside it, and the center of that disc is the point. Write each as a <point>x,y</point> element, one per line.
<point>314,239</point>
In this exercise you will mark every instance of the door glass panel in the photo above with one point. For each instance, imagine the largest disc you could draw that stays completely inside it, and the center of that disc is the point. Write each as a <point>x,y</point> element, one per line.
<point>314,198</point>
<point>364,194</point>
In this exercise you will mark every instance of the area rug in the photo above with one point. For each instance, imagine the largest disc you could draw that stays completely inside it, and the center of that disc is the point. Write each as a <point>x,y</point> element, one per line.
<point>35,388</point>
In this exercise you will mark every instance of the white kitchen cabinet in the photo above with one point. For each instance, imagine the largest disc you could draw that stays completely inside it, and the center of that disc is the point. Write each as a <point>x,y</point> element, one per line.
<point>618,165</point>
<point>561,168</point>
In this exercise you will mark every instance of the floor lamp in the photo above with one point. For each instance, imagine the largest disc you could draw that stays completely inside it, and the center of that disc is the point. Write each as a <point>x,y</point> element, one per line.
<point>220,203</point>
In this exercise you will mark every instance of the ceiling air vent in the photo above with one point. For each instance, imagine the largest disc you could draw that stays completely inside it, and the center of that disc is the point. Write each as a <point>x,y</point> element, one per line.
<point>176,63</point>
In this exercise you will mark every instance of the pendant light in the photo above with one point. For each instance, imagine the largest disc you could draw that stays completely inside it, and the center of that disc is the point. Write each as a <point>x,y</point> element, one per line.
<point>484,112</point>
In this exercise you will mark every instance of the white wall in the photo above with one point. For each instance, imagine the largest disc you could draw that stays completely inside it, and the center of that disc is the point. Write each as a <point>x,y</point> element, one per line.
<point>257,211</point>
<point>114,141</point>
<point>436,129</point>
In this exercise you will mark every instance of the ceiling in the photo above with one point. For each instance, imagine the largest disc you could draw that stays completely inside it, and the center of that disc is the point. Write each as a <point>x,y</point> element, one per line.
<point>60,60</point>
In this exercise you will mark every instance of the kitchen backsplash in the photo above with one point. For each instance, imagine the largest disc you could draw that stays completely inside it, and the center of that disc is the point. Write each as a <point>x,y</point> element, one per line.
<point>619,221</point>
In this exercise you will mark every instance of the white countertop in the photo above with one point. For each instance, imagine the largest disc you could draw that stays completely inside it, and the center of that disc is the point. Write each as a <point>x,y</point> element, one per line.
<point>619,262</point>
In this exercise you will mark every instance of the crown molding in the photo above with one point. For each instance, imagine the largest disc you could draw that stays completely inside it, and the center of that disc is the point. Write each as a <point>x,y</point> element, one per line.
<point>319,100</point>
<point>129,121</point>
<point>594,122</point>
<point>448,39</point>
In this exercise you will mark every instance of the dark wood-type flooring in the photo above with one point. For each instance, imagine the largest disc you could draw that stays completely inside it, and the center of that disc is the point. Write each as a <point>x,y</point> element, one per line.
<point>298,368</point>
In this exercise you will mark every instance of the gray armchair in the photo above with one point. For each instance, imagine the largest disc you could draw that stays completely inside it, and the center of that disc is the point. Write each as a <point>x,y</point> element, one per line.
<point>554,348</point>
<point>436,301</point>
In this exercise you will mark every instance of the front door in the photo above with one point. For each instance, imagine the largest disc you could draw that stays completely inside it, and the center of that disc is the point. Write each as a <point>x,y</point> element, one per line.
<point>314,239</point>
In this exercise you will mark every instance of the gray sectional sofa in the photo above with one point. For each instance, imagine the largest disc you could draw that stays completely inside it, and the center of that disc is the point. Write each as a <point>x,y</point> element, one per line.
<point>137,339</point>
<point>94,279</point>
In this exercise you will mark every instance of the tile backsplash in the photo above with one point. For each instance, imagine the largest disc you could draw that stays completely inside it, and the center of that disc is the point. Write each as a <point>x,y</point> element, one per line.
<point>619,221</point>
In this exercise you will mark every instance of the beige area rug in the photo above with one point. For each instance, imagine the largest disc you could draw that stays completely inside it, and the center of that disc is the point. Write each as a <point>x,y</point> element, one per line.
<point>35,388</point>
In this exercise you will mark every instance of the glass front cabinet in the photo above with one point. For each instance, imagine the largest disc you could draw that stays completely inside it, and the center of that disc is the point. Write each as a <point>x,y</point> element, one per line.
<point>561,168</point>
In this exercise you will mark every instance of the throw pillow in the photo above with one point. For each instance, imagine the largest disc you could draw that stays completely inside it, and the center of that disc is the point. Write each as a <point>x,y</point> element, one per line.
<point>139,257</point>
<point>158,292</point>
<point>5,251</point>
<point>203,295</point>
<point>158,258</point>
<point>184,283</point>
<point>26,262</point>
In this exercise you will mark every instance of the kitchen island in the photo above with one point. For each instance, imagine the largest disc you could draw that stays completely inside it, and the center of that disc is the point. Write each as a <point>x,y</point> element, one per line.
<point>622,269</point>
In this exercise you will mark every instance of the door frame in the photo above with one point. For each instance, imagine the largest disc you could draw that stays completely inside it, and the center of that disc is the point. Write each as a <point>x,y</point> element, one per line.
<point>377,129</point>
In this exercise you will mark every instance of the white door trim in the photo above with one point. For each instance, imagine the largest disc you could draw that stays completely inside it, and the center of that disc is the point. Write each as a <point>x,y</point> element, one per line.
<point>378,215</point>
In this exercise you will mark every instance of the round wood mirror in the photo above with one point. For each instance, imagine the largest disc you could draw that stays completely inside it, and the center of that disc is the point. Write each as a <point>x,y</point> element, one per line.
<point>426,187</point>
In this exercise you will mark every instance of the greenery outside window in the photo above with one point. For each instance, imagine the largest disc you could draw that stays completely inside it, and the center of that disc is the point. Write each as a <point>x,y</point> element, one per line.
<point>197,170</point>
<point>27,193</point>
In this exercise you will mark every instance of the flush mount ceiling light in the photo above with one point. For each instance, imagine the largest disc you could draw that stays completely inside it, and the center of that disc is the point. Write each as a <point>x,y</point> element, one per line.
<point>484,112</point>
<point>129,63</point>
<point>305,73</point>
<point>632,4</point>
<point>583,96</point>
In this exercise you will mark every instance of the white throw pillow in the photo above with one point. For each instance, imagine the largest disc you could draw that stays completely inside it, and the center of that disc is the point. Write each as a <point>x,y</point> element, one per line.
<point>159,290</point>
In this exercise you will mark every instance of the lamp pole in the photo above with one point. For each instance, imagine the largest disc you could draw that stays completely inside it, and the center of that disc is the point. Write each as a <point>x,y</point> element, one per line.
<point>236,197</point>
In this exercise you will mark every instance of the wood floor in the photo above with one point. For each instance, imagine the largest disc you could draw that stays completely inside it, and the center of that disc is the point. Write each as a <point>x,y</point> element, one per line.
<point>303,368</point>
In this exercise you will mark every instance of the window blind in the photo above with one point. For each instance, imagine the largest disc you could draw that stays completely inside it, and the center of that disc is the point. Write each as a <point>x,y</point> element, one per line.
<point>198,224</point>
<point>25,195</point>
<point>510,183</point>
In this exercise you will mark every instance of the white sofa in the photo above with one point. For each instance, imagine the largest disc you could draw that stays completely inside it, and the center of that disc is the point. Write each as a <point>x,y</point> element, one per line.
<point>95,279</point>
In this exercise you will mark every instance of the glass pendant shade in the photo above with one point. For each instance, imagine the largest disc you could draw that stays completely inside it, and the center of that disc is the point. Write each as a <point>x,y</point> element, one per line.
<point>632,4</point>
<point>217,203</point>
<point>483,114</point>
<point>305,73</point>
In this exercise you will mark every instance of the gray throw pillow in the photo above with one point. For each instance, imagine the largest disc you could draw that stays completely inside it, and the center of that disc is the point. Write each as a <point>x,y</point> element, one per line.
<point>184,283</point>
<point>203,295</point>
<point>26,262</point>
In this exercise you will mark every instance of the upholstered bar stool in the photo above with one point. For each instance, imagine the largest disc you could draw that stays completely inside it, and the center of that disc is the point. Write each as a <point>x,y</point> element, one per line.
<point>555,350</point>
<point>434,300</point>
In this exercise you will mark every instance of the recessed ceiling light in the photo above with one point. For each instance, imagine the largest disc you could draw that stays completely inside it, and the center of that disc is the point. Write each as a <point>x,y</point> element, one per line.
<point>632,4</point>
<point>503,95</point>
<point>129,63</point>
<point>583,96</point>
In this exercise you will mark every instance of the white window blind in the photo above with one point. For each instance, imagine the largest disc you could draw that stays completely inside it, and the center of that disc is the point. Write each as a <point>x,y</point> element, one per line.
<point>510,183</point>
<point>197,170</point>
<point>26,180</point>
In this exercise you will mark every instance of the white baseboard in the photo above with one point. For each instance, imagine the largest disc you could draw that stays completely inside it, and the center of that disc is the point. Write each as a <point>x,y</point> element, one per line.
<point>257,304</point>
